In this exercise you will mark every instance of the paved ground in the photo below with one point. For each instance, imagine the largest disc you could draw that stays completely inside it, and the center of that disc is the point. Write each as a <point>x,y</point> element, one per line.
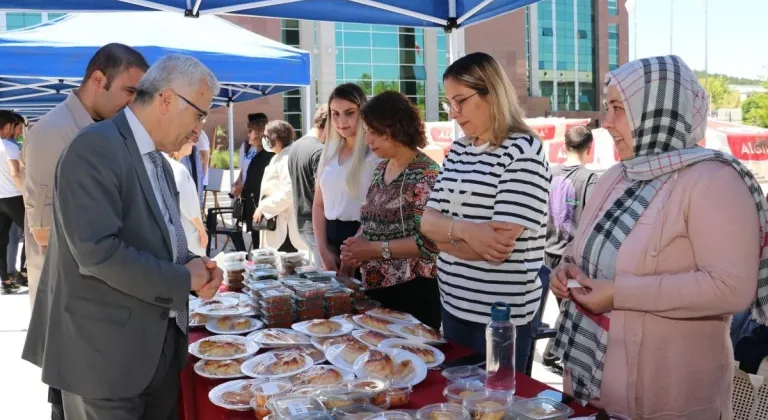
<point>22,395</point>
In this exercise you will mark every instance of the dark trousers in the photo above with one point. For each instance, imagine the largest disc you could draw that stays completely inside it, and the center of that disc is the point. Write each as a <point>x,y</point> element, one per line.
<point>419,297</point>
<point>11,211</point>
<point>159,401</point>
<point>338,231</point>
<point>472,335</point>
<point>548,358</point>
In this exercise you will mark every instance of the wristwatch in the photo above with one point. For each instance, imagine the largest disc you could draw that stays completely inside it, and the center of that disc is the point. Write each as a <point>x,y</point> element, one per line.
<point>385,252</point>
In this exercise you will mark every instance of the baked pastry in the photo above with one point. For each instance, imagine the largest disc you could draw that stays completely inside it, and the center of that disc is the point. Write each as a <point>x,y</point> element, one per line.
<point>320,375</point>
<point>375,323</point>
<point>230,324</point>
<point>215,348</point>
<point>323,326</point>
<point>379,364</point>
<point>489,410</point>
<point>345,318</point>
<point>352,350</point>
<point>198,319</point>
<point>332,341</point>
<point>402,370</point>
<point>427,355</point>
<point>278,336</point>
<point>287,363</point>
<point>241,396</point>
<point>222,367</point>
<point>310,351</point>
<point>373,338</point>
<point>421,330</point>
<point>389,313</point>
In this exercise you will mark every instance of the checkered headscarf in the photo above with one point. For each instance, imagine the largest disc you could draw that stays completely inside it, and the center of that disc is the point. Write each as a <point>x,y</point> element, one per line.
<point>667,112</point>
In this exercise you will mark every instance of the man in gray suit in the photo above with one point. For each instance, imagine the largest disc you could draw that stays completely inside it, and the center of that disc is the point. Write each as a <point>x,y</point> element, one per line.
<point>110,319</point>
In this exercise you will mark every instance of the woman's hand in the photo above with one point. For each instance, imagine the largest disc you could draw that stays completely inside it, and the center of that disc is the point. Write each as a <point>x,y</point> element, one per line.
<point>257,216</point>
<point>237,189</point>
<point>595,295</point>
<point>355,251</point>
<point>329,259</point>
<point>558,280</point>
<point>203,238</point>
<point>484,239</point>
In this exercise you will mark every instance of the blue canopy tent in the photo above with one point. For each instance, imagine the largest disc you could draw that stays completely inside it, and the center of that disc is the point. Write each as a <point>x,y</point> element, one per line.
<point>43,63</point>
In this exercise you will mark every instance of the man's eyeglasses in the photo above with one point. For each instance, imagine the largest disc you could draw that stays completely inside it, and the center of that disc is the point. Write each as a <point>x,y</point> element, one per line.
<point>455,105</point>
<point>202,115</point>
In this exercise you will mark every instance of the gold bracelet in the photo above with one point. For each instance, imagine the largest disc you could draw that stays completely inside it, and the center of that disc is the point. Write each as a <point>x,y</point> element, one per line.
<point>454,242</point>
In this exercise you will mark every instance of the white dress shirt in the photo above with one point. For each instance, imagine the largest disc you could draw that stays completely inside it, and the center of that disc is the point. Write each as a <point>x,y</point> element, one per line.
<point>189,206</point>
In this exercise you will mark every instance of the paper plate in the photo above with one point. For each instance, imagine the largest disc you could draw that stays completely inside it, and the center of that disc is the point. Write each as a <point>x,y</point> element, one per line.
<point>381,313</point>
<point>437,354</point>
<point>356,318</point>
<point>216,393</point>
<point>250,346</point>
<point>248,367</point>
<point>200,371</point>
<point>415,378</point>
<point>399,329</point>
<point>301,327</point>
<point>255,324</point>
<point>258,338</point>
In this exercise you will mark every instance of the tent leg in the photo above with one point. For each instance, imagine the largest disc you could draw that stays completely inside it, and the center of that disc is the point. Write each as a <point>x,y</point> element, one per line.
<point>455,47</point>
<point>307,109</point>
<point>231,135</point>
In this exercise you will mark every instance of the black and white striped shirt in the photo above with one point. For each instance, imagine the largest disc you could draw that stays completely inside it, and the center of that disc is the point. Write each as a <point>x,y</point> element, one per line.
<point>509,183</point>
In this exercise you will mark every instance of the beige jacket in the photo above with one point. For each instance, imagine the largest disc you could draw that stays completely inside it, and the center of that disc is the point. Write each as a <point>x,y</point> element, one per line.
<point>689,263</point>
<point>39,155</point>
<point>277,201</point>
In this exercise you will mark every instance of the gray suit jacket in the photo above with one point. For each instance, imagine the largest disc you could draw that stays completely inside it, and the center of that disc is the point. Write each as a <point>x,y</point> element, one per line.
<point>108,282</point>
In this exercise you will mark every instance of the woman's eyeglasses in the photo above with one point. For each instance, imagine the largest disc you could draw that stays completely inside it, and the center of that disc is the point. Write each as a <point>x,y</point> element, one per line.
<point>455,105</point>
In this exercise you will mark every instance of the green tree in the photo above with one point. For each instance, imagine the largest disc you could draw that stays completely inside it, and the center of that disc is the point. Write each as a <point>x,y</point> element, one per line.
<point>755,110</point>
<point>720,94</point>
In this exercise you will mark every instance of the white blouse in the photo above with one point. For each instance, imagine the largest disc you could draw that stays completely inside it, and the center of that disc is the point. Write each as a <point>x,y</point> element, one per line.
<point>189,205</point>
<point>338,203</point>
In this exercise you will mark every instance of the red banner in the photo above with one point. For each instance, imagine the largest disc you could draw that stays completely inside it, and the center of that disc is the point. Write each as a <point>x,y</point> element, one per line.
<point>556,152</point>
<point>748,147</point>
<point>545,132</point>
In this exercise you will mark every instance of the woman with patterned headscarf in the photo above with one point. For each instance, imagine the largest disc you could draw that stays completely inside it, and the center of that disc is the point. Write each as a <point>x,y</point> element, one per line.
<point>671,244</point>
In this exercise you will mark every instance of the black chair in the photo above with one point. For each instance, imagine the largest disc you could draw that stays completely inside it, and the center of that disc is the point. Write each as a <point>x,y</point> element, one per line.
<point>541,330</point>
<point>234,233</point>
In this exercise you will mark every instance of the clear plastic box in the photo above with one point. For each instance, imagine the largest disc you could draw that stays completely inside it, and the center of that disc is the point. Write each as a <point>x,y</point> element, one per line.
<point>355,411</point>
<point>375,388</point>
<point>276,296</point>
<point>341,396</point>
<point>338,299</point>
<point>400,395</point>
<point>265,391</point>
<point>310,291</point>
<point>464,373</point>
<point>443,412</point>
<point>321,276</point>
<point>390,415</point>
<point>540,408</point>
<point>290,406</point>
<point>264,274</point>
<point>488,404</point>
<point>455,392</point>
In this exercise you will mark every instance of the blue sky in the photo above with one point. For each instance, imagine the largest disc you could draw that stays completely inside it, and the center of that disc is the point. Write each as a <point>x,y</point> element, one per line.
<point>738,34</point>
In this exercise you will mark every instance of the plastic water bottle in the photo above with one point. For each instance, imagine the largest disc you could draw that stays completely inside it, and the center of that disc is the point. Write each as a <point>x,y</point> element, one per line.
<point>500,350</point>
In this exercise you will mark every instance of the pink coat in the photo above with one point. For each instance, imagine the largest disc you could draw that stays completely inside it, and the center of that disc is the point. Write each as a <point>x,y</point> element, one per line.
<point>690,262</point>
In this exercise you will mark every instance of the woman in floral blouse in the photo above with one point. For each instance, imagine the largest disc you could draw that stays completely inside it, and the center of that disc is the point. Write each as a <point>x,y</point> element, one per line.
<point>397,263</point>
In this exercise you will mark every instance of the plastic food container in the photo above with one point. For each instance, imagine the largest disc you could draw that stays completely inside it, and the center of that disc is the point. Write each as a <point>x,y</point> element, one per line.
<point>399,395</point>
<point>338,299</point>
<point>308,303</point>
<point>231,257</point>
<point>277,296</point>
<point>443,412</point>
<point>464,373</point>
<point>264,274</point>
<point>336,397</point>
<point>355,411</point>
<point>488,405</point>
<point>276,313</point>
<point>234,272</point>
<point>363,306</point>
<point>321,276</point>
<point>311,291</point>
<point>289,407</point>
<point>456,392</point>
<point>306,314</point>
<point>540,409</point>
<point>390,415</point>
<point>302,271</point>
<point>375,388</point>
<point>263,392</point>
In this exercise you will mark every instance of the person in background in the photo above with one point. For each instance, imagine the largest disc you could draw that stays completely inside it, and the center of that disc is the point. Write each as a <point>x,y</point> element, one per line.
<point>204,150</point>
<point>488,210</point>
<point>398,264</point>
<point>254,160</point>
<point>109,85</point>
<point>16,234</point>
<point>302,166</point>
<point>194,165</point>
<point>670,245</point>
<point>344,174</point>
<point>571,185</point>
<point>11,202</point>
<point>277,191</point>
<point>110,322</point>
<point>189,205</point>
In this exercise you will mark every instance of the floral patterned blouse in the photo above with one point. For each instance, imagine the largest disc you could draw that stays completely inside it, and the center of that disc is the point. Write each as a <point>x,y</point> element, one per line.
<point>380,218</point>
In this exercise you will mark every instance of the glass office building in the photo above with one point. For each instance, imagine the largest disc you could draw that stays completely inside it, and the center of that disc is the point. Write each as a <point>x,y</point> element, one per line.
<point>18,20</point>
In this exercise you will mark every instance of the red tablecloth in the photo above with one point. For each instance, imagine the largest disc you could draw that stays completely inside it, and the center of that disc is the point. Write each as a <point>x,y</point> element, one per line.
<point>194,403</point>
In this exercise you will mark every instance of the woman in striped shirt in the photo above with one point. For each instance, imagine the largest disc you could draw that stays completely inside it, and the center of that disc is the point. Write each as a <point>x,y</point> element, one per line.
<point>487,212</point>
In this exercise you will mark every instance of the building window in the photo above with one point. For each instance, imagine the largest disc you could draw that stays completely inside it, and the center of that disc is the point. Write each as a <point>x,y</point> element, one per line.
<point>613,7</point>
<point>292,103</point>
<point>613,46</point>
<point>382,57</point>
<point>52,16</point>
<point>21,20</point>
<point>442,64</point>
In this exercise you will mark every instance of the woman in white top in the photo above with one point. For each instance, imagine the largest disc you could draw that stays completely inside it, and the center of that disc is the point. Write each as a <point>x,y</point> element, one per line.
<point>189,204</point>
<point>277,191</point>
<point>344,175</point>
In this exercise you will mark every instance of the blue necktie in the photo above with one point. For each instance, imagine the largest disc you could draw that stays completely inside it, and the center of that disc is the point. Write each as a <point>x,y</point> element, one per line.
<point>181,240</point>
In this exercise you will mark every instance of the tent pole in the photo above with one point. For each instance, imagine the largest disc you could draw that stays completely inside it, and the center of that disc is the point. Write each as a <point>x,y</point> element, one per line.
<point>307,109</point>
<point>231,135</point>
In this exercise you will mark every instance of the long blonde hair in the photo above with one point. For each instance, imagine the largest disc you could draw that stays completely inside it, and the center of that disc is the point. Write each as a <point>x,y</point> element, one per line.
<point>334,142</point>
<point>483,74</point>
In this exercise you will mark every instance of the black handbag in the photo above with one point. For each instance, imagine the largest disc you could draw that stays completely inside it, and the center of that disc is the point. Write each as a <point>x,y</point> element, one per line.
<point>238,209</point>
<point>264,223</point>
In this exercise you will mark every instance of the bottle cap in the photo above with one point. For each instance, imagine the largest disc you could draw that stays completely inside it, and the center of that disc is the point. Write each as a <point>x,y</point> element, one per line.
<point>500,311</point>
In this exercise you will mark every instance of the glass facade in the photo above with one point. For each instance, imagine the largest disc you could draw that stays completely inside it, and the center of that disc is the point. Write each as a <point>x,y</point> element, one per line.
<point>613,46</point>
<point>292,103</point>
<point>613,7</point>
<point>382,57</point>
<point>22,20</point>
<point>442,64</point>
<point>567,54</point>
